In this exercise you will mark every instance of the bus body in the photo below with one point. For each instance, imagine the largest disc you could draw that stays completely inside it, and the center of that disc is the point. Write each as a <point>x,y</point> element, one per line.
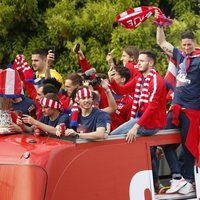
<point>46,168</point>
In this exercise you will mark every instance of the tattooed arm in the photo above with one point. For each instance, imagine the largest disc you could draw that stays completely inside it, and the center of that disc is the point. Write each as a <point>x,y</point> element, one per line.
<point>161,41</point>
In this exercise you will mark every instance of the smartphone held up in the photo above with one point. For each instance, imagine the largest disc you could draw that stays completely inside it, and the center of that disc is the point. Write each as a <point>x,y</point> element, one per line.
<point>77,48</point>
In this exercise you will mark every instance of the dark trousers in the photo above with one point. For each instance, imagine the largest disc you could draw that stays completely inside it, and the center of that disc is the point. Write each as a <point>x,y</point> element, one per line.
<point>186,166</point>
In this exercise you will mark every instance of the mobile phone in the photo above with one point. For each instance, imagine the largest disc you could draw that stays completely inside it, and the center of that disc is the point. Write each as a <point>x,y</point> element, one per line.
<point>53,49</point>
<point>77,48</point>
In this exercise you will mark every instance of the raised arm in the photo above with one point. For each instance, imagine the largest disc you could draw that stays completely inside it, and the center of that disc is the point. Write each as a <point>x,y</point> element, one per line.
<point>49,61</point>
<point>82,61</point>
<point>161,41</point>
<point>112,106</point>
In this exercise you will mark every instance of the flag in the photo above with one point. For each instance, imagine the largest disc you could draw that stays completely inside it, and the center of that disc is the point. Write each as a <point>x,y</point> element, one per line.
<point>170,76</point>
<point>10,83</point>
<point>172,70</point>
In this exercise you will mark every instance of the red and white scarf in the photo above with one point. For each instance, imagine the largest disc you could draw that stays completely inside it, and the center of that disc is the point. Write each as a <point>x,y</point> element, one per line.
<point>50,103</point>
<point>142,96</point>
<point>82,93</point>
<point>21,65</point>
<point>133,17</point>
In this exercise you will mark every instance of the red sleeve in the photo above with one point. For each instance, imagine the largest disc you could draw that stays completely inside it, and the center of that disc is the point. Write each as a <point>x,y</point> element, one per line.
<point>128,88</point>
<point>133,70</point>
<point>169,95</point>
<point>30,88</point>
<point>65,101</point>
<point>32,92</point>
<point>84,64</point>
<point>103,96</point>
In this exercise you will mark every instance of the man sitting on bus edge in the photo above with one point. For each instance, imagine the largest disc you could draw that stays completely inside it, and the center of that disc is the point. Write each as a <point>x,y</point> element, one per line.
<point>148,113</point>
<point>91,122</point>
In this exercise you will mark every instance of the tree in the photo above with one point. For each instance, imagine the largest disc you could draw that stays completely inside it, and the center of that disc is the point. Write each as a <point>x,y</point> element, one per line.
<point>29,24</point>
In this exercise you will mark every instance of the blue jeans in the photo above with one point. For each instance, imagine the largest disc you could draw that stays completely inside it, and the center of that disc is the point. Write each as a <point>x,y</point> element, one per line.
<point>124,128</point>
<point>186,166</point>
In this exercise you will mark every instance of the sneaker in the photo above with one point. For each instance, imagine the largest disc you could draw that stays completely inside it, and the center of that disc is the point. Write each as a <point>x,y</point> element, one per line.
<point>186,189</point>
<point>176,185</point>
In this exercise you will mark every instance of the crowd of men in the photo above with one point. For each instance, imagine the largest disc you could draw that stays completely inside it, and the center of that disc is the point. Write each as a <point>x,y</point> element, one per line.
<point>130,99</point>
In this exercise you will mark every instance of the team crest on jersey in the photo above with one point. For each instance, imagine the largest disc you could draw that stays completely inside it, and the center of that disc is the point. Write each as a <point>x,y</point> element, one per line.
<point>120,106</point>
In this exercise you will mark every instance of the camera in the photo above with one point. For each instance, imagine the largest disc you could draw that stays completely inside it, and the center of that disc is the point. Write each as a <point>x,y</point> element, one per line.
<point>90,74</point>
<point>95,81</point>
<point>77,48</point>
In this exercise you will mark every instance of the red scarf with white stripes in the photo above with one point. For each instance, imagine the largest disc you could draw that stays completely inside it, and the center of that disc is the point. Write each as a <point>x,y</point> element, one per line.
<point>141,96</point>
<point>133,17</point>
<point>50,103</point>
<point>81,93</point>
<point>21,65</point>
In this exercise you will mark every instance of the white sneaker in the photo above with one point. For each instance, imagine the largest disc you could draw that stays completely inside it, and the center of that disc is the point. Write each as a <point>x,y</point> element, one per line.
<point>186,189</point>
<point>176,185</point>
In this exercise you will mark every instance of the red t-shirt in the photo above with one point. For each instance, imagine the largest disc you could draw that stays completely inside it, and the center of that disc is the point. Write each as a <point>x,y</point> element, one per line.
<point>123,112</point>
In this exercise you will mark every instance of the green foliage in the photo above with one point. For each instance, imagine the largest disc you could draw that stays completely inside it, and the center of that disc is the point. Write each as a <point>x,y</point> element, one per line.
<point>6,18</point>
<point>29,24</point>
<point>182,6</point>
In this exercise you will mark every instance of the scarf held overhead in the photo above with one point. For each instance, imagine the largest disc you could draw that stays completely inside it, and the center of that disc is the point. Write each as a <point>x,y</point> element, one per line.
<point>133,17</point>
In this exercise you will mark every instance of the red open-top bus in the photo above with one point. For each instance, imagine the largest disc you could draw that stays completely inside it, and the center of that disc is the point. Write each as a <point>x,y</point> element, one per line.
<point>49,168</point>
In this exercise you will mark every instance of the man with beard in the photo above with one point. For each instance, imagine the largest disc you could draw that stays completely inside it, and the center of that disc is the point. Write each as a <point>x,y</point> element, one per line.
<point>148,114</point>
<point>41,62</point>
